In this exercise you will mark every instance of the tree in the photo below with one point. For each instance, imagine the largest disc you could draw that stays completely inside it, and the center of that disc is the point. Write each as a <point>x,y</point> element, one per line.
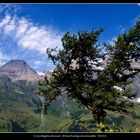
<point>96,79</point>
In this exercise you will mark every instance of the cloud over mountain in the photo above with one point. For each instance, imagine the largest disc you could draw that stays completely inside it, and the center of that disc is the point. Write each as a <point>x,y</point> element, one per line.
<point>24,39</point>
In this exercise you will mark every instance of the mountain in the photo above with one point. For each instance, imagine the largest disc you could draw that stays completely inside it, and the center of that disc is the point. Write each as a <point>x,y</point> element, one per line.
<point>19,103</point>
<point>19,70</point>
<point>20,107</point>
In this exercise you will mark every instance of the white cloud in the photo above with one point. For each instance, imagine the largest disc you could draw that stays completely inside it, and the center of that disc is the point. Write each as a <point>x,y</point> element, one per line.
<point>121,29</point>
<point>3,58</point>
<point>10,27</point>
<point>9,9</point>
<point>111,42</point>
<point>23,39</point>
<point>5,21</point>
<point>34,67</point>
<point>38,62</point>
<point>138,4</point>
<point>23,26</point>
<point>30,36</point>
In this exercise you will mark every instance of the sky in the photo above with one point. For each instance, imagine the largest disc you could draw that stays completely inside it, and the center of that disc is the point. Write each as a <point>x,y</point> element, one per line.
<point>27,30</point>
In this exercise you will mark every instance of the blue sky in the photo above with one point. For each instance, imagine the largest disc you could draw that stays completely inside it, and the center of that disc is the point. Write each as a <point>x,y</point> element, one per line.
<point>27,30</point>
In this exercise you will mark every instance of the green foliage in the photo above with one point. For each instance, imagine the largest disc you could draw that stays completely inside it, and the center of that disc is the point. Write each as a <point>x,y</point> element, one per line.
<point>75,73</point>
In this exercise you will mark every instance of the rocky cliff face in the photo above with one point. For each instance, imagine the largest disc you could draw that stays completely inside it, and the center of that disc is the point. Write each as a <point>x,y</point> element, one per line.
<point>19,70</point>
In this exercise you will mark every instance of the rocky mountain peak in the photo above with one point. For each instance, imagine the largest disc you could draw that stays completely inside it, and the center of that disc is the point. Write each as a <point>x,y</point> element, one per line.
<point>19,70</point>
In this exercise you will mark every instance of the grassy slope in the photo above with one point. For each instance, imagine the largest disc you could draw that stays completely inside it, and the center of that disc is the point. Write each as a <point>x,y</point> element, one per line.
<point>85,123</point>
<point>18,117</point>
<point>17,111</point>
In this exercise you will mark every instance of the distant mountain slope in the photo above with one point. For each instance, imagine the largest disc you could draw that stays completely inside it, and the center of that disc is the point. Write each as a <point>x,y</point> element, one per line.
<point>19,70</point>
<point>19,105</point>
